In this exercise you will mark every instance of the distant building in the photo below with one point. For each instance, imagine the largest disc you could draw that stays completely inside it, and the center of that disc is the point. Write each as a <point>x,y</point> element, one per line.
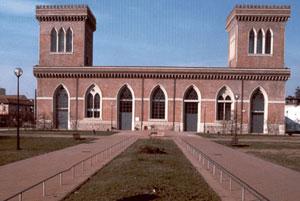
<point>292,115</point>
<point>72,93</point>
<point>2,91</point>
<point>8,110</point>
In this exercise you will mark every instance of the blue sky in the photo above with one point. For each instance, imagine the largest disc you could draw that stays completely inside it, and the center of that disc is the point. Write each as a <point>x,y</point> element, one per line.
<point>137,32</point>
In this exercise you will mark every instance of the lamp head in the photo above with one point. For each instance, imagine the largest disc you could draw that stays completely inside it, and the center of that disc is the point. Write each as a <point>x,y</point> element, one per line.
<point>18,72</point>
<point>236,96</point>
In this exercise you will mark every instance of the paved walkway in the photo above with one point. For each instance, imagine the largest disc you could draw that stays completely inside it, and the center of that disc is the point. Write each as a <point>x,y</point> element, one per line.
<point>20,175</point>
<point>273,181</point>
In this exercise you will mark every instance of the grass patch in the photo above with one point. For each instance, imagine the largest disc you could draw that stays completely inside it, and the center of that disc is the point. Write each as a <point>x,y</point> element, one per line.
<point>283,159</point>
<point>58,132</point>
<point>149,170</point>
<point>286,154</point>
<point>265,145</point>
<point>249,136</point>
<point>32,146</point>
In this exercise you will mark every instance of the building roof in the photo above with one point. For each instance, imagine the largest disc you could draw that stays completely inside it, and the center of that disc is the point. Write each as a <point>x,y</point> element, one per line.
<point>13,99</point>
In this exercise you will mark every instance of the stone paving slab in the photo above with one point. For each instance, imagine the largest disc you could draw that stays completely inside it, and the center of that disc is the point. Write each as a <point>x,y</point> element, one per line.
<point>17,176</point>
<point>275,182</point>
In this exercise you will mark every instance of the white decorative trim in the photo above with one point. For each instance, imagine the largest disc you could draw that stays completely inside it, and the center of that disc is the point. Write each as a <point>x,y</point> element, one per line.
<point>109,98</point>
<point>44,98</point>
<point>78,98</point>
<point>277,102</point>
<point>208,100</point>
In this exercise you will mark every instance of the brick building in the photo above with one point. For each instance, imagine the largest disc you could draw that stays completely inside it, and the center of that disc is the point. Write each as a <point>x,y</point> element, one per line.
<point>248,95</point>
<point>8,110</point>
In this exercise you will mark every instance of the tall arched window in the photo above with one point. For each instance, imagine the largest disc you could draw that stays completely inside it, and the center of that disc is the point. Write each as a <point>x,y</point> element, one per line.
<point>158,104</point>
<point>61,40</point>
<point>251,41</point>
<point>69,40</point>
<point>268,42</point>
<point>93,102</point>
<point>259,42</point>
<point>53,45</point>
<point>224,104</point>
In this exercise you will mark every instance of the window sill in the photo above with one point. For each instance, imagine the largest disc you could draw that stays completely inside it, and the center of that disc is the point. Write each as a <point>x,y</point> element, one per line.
<point>260,55</point>
<point>92,118</point>
<point>59,53</point>
<point>158,120</point>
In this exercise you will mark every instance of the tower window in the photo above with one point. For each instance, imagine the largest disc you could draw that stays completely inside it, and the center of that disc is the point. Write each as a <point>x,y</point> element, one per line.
<point>259,42</point>
<point>69,40</point>
<point>269,42</point>
<point>251,41</point>
<point>53,45</point>
<point>61,40</point>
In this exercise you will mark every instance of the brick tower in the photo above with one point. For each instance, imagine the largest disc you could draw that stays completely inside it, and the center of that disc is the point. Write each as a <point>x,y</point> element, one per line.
<point>66,35</point>
<point>256,36</point>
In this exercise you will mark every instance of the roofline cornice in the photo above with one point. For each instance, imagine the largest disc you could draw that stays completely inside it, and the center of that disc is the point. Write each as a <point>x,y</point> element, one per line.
<point>162,73</point>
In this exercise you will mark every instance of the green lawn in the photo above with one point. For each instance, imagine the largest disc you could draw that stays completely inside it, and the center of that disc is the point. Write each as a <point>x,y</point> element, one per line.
<point>286,154</point>
<point>147,165</point>
<point>58,132</point>
<point>32,146</point>
<point>250,136</point>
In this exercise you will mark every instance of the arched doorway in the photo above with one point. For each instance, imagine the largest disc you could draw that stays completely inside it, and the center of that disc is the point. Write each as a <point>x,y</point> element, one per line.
<point>190,110</point>
<point>61,105</point>
<point>257,112</point>
<point>125,109</point>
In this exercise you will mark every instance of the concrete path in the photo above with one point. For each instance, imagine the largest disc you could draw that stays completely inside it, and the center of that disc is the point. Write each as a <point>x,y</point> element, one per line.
<point>273,181</point>
<point>20,175</point>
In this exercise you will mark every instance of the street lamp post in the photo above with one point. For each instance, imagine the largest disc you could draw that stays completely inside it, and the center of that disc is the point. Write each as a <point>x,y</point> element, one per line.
<point>235,138</point>
<point>18,72</point>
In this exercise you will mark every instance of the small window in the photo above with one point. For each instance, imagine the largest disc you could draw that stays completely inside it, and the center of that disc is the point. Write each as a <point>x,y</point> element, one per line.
<point>251,41</point>
<point>259,42</point>
<point>69,41</point>
<point>268,42</point>
<point>61,40</point>
<point>53,45</point>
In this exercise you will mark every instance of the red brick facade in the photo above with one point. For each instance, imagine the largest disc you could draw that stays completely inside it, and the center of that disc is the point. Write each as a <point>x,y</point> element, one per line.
<point>246,76</point>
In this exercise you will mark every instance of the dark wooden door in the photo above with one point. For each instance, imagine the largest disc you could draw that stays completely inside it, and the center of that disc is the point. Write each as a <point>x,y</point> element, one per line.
<point>191,116</point>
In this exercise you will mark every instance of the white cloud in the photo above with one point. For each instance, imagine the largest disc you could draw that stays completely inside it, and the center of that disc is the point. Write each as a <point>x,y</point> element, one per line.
<point>18,7</point>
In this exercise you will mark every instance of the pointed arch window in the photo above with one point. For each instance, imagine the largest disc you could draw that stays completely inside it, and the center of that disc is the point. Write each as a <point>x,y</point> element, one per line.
<point>69,40</point>
<point>93,102</point>
<point>61,40</point>
<point>251,41</point>
<point>269,41</point>
<point>260,37</point>
<point>224,105</point>
<point>53,45</point>
<point>158,104</point>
